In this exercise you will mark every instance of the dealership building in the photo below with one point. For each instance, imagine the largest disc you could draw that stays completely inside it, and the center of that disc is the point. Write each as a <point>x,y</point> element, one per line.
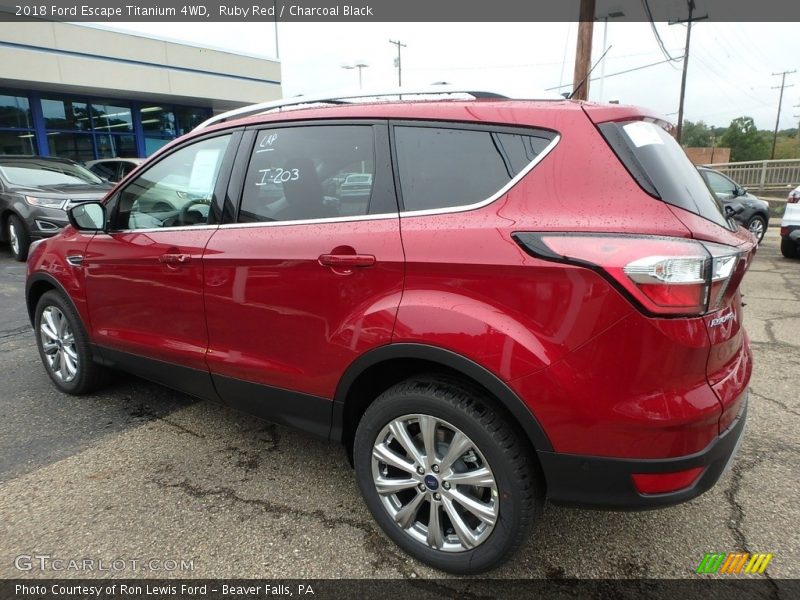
<point>84,93</point>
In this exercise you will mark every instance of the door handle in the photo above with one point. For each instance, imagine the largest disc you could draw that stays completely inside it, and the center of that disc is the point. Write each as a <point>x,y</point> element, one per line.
<point>174,259</point>
<point>346,261</point>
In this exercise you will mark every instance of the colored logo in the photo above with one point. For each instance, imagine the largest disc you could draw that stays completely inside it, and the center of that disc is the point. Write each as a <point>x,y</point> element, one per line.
<point>431,482</point>
<point>734,563</point>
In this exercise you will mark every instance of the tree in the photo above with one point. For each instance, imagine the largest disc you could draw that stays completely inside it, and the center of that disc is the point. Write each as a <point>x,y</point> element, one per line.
<point>696,135</point>
<point>745,141</point>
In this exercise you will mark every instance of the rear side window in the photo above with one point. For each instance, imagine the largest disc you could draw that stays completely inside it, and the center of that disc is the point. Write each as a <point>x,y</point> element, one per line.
<point>661,167</point>
<point>443,167</point>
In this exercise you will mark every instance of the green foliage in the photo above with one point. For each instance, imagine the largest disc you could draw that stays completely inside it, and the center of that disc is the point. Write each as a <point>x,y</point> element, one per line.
<point>787,145</point>
<point>745,141</point>
<point>696,135</point>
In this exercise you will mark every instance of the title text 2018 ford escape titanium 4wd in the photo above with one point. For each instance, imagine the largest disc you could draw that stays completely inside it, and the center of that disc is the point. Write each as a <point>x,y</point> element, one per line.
<point>531,299</point>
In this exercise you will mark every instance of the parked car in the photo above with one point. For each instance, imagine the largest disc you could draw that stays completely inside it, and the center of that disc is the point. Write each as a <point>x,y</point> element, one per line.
<point>790,226</point>
<point>540,299</point>
<point>356,185</point>
<point>34,193</point>
<point>746,209</point>
<point>113,169</point>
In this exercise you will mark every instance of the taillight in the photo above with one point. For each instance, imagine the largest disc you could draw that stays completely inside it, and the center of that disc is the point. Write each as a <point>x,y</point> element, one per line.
<point>794,197</point>
<point>665,276</point>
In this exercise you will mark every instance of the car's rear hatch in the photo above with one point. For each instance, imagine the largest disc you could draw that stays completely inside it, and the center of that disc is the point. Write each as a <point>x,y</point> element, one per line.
<point>658,164</point>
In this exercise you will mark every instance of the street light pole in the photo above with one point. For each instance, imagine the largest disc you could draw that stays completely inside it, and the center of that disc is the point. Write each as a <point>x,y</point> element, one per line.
<point>359,65</point>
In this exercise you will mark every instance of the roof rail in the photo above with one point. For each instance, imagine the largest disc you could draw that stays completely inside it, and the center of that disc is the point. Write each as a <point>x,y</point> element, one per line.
<point>331,98</point>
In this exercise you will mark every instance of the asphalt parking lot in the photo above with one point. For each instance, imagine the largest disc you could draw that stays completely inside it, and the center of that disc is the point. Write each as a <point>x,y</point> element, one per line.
<point>138,472</point>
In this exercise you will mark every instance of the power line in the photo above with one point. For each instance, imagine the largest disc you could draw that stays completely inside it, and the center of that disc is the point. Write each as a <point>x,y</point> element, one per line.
<point>661,45</point>
<point>661,62</point>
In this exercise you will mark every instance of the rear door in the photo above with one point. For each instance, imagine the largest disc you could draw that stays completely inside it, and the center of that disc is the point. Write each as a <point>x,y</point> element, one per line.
<point>304,278</point>
<point>144,279</point>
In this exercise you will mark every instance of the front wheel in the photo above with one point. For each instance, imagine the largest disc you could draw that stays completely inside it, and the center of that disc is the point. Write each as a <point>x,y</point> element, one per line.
<point>445,476</point>
<point>64,346</point>
<point>758,227</point>
<point>18,238</point>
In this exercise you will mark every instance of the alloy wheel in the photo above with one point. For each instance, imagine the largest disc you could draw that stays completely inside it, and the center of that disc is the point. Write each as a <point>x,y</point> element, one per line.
<point>435,483</point>
<point>58,344</point>
<point>13,237</point>
<point>757,228</point>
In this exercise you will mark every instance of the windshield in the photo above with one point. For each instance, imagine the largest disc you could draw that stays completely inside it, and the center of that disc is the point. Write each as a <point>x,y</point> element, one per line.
<point>661,167</point>
<point>42,173</point>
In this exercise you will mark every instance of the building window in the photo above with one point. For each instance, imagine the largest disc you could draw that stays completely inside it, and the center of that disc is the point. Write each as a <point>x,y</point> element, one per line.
<point>16,126</point>
<point>15,142</point>
<point>65,114</point>
<point>110,117</point>
<point>77,146</point>
<point>163,123</point>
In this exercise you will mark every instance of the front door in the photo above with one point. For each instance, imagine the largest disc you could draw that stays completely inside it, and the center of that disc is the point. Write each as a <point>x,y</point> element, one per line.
<point>310,274</point>
<point>144,279</point>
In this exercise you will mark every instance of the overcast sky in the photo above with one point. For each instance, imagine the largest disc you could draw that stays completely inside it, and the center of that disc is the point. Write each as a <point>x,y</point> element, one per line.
<point>730,66</point>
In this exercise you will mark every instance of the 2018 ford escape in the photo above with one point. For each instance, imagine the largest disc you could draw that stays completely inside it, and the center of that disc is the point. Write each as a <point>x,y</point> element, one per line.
<point>525,300</point>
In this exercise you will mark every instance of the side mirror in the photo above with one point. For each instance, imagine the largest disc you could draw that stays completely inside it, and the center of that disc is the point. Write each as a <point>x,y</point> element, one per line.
<point>740,191</point>
<point>733,209</point>
<point>89,216</point>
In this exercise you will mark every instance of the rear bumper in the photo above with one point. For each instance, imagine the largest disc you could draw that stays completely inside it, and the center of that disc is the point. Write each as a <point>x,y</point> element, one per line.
<point>599,482</point>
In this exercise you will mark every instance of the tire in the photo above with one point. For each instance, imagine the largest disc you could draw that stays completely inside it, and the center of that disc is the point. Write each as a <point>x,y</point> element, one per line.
<point>789,248</point>
<point>510,493</point>
<point>758,227</point>
<point>64,346</point>
<point>18,238</point>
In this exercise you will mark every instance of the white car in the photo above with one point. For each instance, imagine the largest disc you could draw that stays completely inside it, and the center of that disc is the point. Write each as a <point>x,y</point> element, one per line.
<point>790,226</point>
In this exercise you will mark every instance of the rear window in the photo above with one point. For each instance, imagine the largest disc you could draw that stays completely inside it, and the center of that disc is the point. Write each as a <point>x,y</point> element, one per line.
<point>661,167</point>
<point>444,167</point>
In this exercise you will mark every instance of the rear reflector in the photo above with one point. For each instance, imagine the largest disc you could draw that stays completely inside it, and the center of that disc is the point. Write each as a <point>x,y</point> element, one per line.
<point>666,276</point>
<point>663,483</point>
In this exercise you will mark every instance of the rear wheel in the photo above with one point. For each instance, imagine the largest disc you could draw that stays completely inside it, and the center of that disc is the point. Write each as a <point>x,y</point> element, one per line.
<point>64,346</point>
<point>789,248</point>
<point>758,227</point>
<point>445,476</point>
<point>18,238</point>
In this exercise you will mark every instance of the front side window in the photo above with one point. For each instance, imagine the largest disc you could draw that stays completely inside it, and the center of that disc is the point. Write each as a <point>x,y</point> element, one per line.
<point>309,172</point>
<point>177,191</point>
<point>719,183</point>
<point>442,167</point>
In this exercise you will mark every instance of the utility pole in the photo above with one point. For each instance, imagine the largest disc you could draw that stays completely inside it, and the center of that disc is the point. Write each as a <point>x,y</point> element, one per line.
<point>689,21</point>
<point>783,75</point>
<point>399,61</point>
<point>798,123</point>
<point>583,51</point>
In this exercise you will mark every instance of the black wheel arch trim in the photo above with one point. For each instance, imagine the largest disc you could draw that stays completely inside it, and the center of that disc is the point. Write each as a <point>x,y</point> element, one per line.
<point>46,277</point>
<point>447,358</point>
<point>36,278</point>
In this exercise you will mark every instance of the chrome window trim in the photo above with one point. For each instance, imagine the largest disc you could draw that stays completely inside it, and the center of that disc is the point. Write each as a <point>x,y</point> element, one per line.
<point>375,217</point>
<point>498,194</point>
<point>171,228</point>
<point>393,215</point>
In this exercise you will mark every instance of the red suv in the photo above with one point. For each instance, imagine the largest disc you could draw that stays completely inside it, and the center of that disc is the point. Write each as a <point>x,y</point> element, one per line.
<point>518,301</point>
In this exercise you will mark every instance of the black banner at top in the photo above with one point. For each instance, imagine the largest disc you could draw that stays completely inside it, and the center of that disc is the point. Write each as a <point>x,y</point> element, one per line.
<point>111,11</point>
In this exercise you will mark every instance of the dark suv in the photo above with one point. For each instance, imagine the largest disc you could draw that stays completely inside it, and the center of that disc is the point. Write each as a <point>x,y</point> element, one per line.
<point>531,300</point>
<point>35,192</point>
